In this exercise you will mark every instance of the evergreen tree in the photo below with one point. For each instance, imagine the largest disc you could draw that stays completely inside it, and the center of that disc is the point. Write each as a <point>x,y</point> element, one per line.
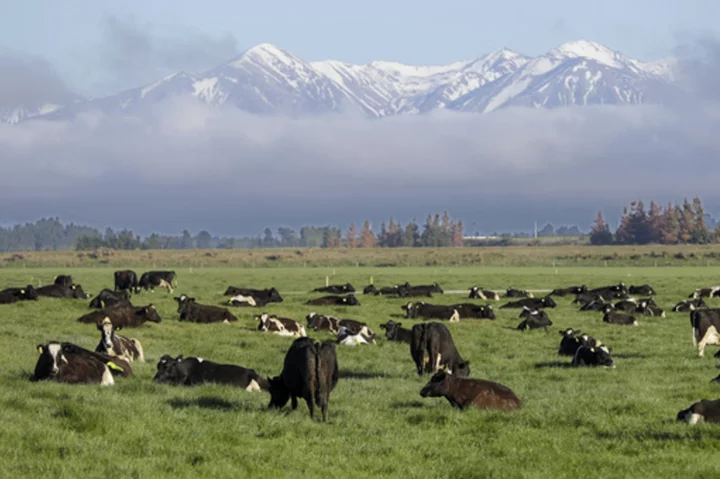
<point>351,236</point>
<point>600,233</point>
<point>411,235</point>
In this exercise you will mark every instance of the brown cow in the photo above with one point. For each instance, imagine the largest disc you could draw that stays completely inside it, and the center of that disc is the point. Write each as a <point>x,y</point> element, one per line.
<point>464,392</point>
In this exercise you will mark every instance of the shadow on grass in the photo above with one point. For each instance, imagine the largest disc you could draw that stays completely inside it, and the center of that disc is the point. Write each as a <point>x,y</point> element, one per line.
<point>407,405</point>
<point>553,364</point>
<point>630,356</point>
<point>345,374</point>
<point>210,402</point>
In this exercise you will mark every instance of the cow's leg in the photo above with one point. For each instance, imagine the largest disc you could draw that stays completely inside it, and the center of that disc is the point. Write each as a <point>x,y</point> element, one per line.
<point>711,337</point>
<point>434,352</point>
<point>293,402</point>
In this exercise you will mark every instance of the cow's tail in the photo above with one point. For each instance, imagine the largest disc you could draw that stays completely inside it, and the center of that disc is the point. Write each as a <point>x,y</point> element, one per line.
<point>140,353</point>
<point>318,393</point>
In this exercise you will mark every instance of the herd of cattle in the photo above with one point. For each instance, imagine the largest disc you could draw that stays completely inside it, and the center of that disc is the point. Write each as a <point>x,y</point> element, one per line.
<point>310,370</point>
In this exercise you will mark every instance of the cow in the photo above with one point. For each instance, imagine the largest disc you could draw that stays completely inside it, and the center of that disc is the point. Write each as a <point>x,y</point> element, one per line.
<point>310,371</point>
<point>271,295</point>
<point>644,290</point>
<point>613,317</point>
<point>348,338</point>
<point>477,292</point>
<point>593,356</point>
<point>108,298</point>
<point>395,332</point>
<point>67,363</point>
<point>126,280</point>
<point>280,326</point>
<point>432,348</point>
<point>598,304</point>
<point>62,291</point>
<point>464,392</point>
<point>406,291</point>
<point>158,279</point>
<point>12,295</point>
<point>702,411</point>
<point>391,290</point>
<point>705,293</point>
<point>431,311</point>
<point>64,280</point>
<point>649,308</point>
<point>245,301</point>
<point>518,293</point>
<point>370,289</point>
<point>193,312</point>
<point>617,291</point>
<point>192,371</point>
<point>532,303</point>
<point>474,311</point>
<point>536,319</point>
<point>319,322</point>
<point>686,305</point>
<point>569,290</point>
<point>570,342</point>
<point>349,300</point>
<point>627,305</point>
<point>123,316</point>
<point>113,344</point>
<point>336,289</point>
<point>705,328</point>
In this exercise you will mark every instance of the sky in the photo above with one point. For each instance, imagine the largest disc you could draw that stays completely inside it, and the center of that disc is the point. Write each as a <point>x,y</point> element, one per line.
<point>232,173</point>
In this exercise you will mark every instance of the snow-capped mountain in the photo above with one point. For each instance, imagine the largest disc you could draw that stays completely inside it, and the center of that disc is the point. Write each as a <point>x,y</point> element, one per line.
<point>268,80</point>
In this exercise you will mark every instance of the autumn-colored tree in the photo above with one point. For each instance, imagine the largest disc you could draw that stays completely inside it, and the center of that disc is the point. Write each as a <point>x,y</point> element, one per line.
<point>600,233</point>
<point>367,238</point>
<point>623,233</point>
<point>457,234</point>
<point>351,236</point>
<point>656,222</point>
<point>671,225</point>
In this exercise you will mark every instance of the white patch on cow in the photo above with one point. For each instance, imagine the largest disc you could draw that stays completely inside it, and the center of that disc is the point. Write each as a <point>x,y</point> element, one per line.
<point>455,317</point>
<point>55,351</point>
<point>693,418</point>
<point>138,346</point>
<point>253,386</point>
<point>249,300</point>
<point>603,348</point>
<point>301,332</point>
<point>695,336</point>
<point>107,378</point>
<point>711,337</point>
<point>200,360</point>
<point>226,321</point>
<point>437,362</point>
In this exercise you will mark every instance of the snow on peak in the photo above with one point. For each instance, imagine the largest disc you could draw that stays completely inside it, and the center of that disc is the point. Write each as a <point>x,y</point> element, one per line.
<point>402,70</point>
<point>591,50</point>
<point>265,53</point>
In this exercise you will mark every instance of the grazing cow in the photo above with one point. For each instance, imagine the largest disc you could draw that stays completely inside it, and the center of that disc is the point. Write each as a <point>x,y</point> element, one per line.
<point>245,301</point>
<point>264,296</point>
<point>113,344</point>
<point>476,292</point>
<point>191,311</point>
<point>349,300</point>
<point>126,280</point>
<point>644,290</point>
<point>319,322</point>
<point>336,289</point>
<point>370,289</point>
<point>280,326</point>
<point>432,348</point>
<point>686,306</point>
<point>518,293</point>
<point>64,280</point>
<point>310,371</point>
<point>464,392</point>
<point>347,338</point>
<point>67,363</point>
<point>705,293</point>
<point>158,279</point>
<point>107,298</point>
<point>649,308</point>
<point>702,411</point>
<point>532,303</point>
<point>593,356</point>
<point>431,311</point>
<point>406,291</point>
<point>705,327</point>
<point>536,319</point>
<point>194,371</point>
<point>569,290</point>
<point>123,316</point>
<point>12,295</point>
<point>474,311</point>
<point>395,332</point>
<point>62,291</point>
<point>613,317</point>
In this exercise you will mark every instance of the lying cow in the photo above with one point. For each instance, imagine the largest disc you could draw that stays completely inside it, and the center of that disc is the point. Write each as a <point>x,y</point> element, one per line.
<point>370,289</point>
<point>627,305</point>
<point>705,328</point>
<point>13,295</point>
<point>518,293</point>
<point>686,306</point>
<point>108,298</point>
<point>432,348</point>
<point>158,279</point>
<point>193,312</point>
<point>593,356</point>
<point>395,332</point>
<point>348,338</point>
<point>280,326</point>
<point>613,317</point>
<point>573,339</point>
<point>336,289</point>
<point>702,411</point>
<point>113,344</point>
<point>644,290</point>
<point>66,363</point>
<point>598,304</point>
<point>618,291</point>
<point>74,291</point>
<point>407,291</point>
<point>64,280</point>
<point>569,290</point>
<point>476,292</point>
<point>263,296</point>
<point>474,311</point>
<point>532,303</point>
<point>431,311</point>
<point>320,322</point>
<point>123,316</point>
<point>713,292</point>
<point>126,280</point>
<point>349,300</point>
<point>194,371</point>
<point>310,371</point>
<point>464,392</point>
<point>537,319</point>
<point>240,300</point>
<point>389,290</point>
<point>649,308</point>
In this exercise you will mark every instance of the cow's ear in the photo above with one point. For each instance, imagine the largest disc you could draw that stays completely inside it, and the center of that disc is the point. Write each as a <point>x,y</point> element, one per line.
<point>592,350</point>
<point>40,348</point>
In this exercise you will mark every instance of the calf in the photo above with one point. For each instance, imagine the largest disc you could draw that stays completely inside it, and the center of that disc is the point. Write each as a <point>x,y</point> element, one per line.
<point>336,289</point>
<point>705,293</point>
<point>475,311</point>
<point>406,290</point>
<point>280,326</point>
<point>477,292</point>
<point>191,311</point>
<point>265,296</point>
<point>613,317</point>
<point>158,279</point>
<point>64,280</point>
<point>65,363</point>
<point>28,293</point>
<point>107,298</point>
<point>62,291</point>
<point>428,311</point>
<point>433,348</point>
<point>464,392</point>
<point>593,356</point>
<point>532,303</point>
<point>535,320</point>
<point>193,371</point>
<point>310,371</point>
<point>349,300</point>
<point>518,293</point>
<point>702,411</point>
<point>705,328</point>
<point>644,290</point>
<point>569,290</point>
<point>686,306</point>
<point>123,316</point>
<point>113,344</point>
<point>395,332</point>
<point>126,280</point>
<point>347,338</point>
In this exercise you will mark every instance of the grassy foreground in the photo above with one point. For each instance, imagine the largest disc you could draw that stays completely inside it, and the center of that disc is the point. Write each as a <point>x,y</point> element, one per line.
<point>574,423</point>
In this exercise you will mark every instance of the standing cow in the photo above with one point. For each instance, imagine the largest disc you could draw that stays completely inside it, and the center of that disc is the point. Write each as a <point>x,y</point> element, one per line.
<point>433,348</point>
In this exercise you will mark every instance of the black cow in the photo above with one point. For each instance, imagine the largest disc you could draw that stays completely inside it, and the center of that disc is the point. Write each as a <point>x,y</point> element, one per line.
<point>336,289</point>
<point>370,289</point>
<point>113,344</point>
<point>61,291</point>
<point>613,317</point>
<point>518,293</point>
<point>705,328</point>
<point>477,292</point>
<point>569,290</point>
<point>126,280</point>
<point>702,411</point>
<point>158,279</point>
<point>68,363</point>
<point>310,371</point>
<point>349,300</point>
<point>12,295</point>
<point>644,290</point>
<point>593,356</point>
<point>532,303</point>
<point>432,348</point>
<point>107,298</point>
<point>464,392</point>
<point>391,290</point>
<point>537,319</point>
<point>686,306</point>
<point>406,291</point>
<point>123,316</point>
<point>64,280</point>
<point>194,371</point>
<point>425,310</point>
<point>395,332</point>
<point>193,312</point>
<point>474,311</point>
<point>261,296</point>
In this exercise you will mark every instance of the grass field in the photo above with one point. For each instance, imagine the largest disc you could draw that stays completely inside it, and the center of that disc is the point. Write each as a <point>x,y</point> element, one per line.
<point>574,423</point>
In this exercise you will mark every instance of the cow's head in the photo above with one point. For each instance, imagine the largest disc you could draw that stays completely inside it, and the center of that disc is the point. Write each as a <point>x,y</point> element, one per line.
<point>390,328</point>
<point>48,364</point>
<point>569,333</point>
<point>437,386</point>
<point>582,289</point>
<point>369,289</point>
<point>274,296</point>
<point>183,300</point>
<point>488,312</point>
<point>410,309</point>
<point>351,300</point>
<point>548,302</point>
<point>436,288</point>
<point>29,293</point>
<point>167,369</point>
<point>78,293</point>
<point>108,332</point>
<point>279,394</point>
<point>602,355</point>
<point>262,321</point>
<point>149,313</point>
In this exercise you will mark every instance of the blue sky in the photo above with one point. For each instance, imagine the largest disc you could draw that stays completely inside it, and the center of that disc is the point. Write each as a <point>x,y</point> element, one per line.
<point>73,34</point>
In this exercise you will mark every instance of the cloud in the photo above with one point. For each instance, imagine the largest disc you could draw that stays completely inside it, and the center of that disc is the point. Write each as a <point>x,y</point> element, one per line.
<point>26,80</point>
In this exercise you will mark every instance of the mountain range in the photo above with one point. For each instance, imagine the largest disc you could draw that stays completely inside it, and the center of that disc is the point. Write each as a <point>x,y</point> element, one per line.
<point>267,80</point>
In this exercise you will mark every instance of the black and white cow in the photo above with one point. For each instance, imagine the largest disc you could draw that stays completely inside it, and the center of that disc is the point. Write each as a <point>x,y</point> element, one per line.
<point>593,356</point>
<point>702,411</point>
<point>126,280</point>
<point>158,279</point>
<point>107,298</point>
<point>644,290</point>
<point>348,338</point>
<point>113,344</point>
<point>192,371</point>
<point>598,304</point>
<point>74,291</point>
<point>649,308</point>
<point>573,339</point>
<point>614,317</point>
<point>518,293</point>
<point>241,300</point>
<point>474,311</point>
<point>431,311</point>
<point>68,363</point>
<point>336,289</point>
<point>713,292</point>
<point>349,300</point>
<point>617,291</point>
<point>569,290</point>
<point>280,326</point>
<point>395,332</point>
<point>627,305</point>
<point>536,319</point>
<point>688,305</point>
<point>532,303</point>
<point>320,322</point>
<point>389,290</point>
<point>705,328</point>
<point>261,296</point>
<point>191,311</point>
<point>477,292</point>
<point>432,348</point>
